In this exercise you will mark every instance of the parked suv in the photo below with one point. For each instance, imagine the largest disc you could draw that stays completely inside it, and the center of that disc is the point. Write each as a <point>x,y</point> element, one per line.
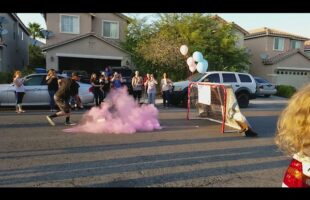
<point>243,85</point>
<point>84,76</point>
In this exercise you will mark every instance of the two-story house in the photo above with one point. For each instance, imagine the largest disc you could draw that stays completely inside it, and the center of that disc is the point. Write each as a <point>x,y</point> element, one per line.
<point>278,57</point>
<point>307,48</point>
<point>14,41</point>
<point>237,30</point>
<point>86,41</point>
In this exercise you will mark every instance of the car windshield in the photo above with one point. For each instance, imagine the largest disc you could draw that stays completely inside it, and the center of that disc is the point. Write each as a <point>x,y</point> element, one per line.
<point>195,77</point>
<point>260,80</point>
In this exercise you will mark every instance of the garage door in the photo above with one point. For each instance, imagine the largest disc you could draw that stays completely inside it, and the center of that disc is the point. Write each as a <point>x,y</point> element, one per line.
<point>87,64</point>
<point>294,78</point>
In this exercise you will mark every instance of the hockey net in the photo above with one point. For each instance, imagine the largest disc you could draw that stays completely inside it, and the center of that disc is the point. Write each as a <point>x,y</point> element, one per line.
<point>214,102</point>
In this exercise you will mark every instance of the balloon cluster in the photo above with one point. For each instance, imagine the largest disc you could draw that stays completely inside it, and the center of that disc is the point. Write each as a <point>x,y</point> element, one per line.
<point>202,64</point>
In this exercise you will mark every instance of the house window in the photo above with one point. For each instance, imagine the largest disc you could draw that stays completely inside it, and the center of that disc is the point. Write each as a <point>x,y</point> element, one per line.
<point>278,44</point>
<point>110,29</point>
<point>70,24</point>
<point>295,44</point>
<point>22,35</point>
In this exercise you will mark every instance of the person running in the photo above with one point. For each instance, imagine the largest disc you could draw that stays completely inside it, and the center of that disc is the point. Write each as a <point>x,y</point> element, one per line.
<point>19,90</point>
<point>77,100</point>
<point>67,88</point>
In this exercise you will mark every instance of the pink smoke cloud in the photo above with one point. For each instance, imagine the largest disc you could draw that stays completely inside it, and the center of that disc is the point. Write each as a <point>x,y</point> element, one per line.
<point>119,114</point>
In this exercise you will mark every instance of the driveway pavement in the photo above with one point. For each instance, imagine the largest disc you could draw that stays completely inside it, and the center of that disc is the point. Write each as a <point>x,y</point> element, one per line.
<point>185,153</point>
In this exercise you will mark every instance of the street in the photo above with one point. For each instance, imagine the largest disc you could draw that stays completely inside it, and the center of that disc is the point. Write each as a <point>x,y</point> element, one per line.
<point>185,153</point>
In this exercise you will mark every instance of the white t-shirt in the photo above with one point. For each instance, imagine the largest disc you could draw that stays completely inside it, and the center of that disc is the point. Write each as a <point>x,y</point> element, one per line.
<point>18,82</point>
<point>166,84</point>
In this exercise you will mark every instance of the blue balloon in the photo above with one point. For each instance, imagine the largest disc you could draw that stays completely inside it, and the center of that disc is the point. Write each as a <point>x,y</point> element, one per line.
<point>202,66</point>
<point>206,64</point>
<point>198,57</point>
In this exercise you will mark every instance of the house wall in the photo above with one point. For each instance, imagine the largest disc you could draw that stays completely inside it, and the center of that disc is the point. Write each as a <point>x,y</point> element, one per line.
<point>97,24</point>
<point>16,54</point>
<point>265,45</point>
<point>53,24</point>
<point>87,24</point>
<point>257,46</point>
<point>240,41</point>
<point>289,77</point>
<point>86,47</point>
<point>307,52</point>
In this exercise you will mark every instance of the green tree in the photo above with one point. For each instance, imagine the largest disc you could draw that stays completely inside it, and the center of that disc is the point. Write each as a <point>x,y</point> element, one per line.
<point>36,57</point>
<point>35,30</point>
<point>155,47</point>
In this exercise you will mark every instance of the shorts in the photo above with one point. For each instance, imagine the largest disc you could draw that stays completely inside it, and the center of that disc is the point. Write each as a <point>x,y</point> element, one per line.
<point>62,104</point>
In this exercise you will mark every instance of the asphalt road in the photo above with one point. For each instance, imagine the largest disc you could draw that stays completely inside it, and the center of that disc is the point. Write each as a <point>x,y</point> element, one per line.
<point>183,154</point>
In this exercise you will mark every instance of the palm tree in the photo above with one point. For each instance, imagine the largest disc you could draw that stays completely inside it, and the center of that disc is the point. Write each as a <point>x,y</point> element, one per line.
<point>35,30</point>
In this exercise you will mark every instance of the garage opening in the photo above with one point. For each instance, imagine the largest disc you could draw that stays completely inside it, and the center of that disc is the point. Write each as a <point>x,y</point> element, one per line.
<point>89,65</point>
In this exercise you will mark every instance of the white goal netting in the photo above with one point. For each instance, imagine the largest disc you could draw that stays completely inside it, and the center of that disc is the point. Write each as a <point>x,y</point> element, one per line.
<point>215,102</point>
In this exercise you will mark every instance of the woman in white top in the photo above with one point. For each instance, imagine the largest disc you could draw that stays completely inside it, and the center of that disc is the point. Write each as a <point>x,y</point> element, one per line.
<point>166,87</point>
<point>19,90</point>
<point>151,89</point>
<point>137,84</point>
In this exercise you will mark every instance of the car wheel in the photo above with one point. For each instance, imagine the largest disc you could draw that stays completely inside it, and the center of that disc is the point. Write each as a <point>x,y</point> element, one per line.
<point>267,95</point>
<point>243,100</point>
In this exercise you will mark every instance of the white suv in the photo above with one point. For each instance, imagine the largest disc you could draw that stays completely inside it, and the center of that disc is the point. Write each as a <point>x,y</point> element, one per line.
<point>243,84</point>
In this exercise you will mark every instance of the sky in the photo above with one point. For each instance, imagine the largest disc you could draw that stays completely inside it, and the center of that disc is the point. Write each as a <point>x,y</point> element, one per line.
<point>295,23</point>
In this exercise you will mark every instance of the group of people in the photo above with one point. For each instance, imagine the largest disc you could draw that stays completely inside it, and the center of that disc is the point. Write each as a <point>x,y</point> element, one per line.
<point>149,84</point>
<point>102,85</point>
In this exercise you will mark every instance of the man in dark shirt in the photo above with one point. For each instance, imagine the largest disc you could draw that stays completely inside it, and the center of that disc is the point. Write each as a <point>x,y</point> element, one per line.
<point>68,87</point>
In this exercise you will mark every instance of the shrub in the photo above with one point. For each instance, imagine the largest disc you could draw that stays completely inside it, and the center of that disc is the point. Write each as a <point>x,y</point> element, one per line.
<point>285,91</point>
<point>6,77</point>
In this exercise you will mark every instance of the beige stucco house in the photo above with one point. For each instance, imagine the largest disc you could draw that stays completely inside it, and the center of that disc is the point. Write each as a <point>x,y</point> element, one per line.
<point>237,30</point>
<point>307,48</point>
<point>278,57</point>
<point>86,41</point>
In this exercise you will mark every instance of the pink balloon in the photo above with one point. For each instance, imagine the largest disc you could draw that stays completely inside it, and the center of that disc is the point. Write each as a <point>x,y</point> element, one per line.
<point>193,67</point>
<point>190,61</point>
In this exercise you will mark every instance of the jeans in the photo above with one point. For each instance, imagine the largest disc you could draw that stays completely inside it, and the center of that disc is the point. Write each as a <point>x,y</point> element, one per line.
<point>151,97</point>
<point>52,100</point>
<point>19,97</point>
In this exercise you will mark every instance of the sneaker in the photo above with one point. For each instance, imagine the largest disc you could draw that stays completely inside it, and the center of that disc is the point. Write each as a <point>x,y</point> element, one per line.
<point>70,124</point>
<point>50,121</point>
